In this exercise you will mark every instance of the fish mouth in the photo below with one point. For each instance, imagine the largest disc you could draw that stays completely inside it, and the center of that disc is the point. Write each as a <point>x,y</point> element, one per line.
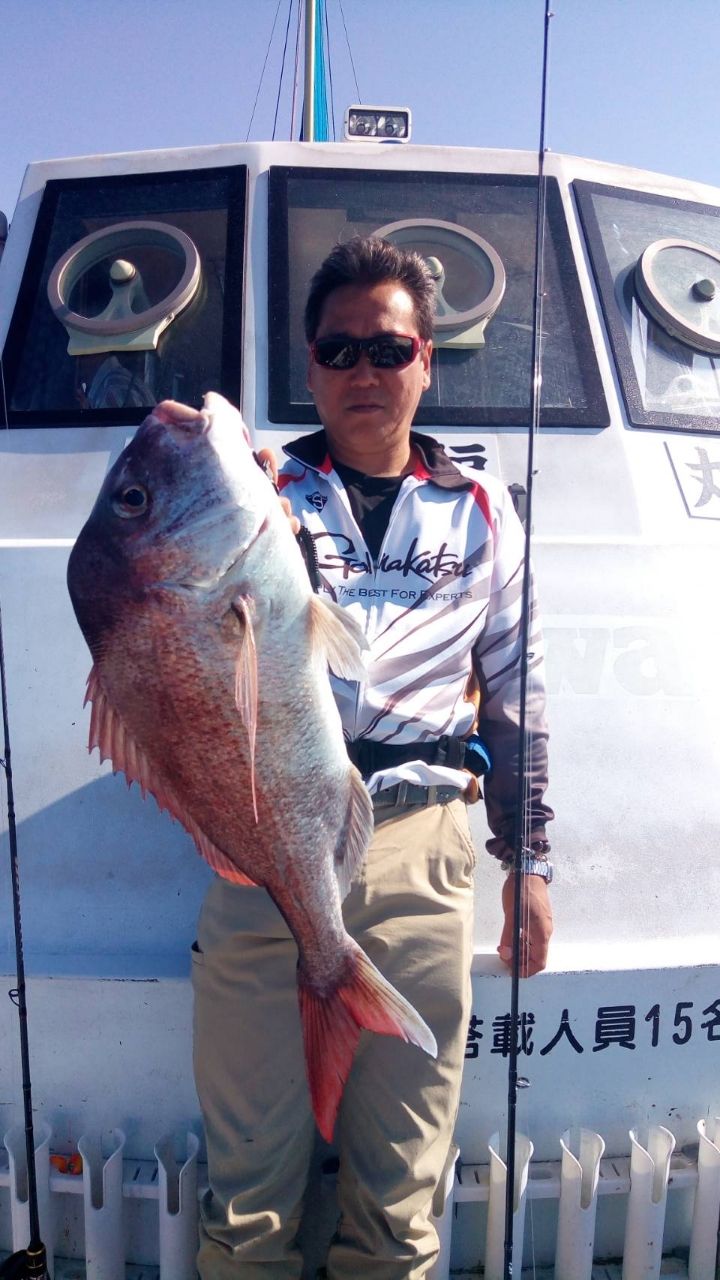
<point>192,585</point>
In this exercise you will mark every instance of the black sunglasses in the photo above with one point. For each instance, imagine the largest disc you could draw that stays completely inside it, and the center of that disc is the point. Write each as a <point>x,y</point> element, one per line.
<point>384,351</point>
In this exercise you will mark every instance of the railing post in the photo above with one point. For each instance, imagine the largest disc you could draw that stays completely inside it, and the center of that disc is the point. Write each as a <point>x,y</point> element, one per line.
<point>15,1145</point>
<point>645,1223</point>
<point>103,1197</point>
<point>706,1210</point>
<point>582,1152</point>
<point>178,1208</point>
<point>494,1244</point>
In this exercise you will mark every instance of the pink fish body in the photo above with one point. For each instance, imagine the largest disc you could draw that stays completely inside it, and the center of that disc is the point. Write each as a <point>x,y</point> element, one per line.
<point>210,689</point>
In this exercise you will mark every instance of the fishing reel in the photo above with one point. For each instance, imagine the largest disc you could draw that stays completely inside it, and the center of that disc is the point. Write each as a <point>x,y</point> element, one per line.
<point>26,1264</point>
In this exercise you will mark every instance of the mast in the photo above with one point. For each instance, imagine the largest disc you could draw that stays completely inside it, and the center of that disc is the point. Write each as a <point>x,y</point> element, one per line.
<point>308,131</point>
<point>316,123</point>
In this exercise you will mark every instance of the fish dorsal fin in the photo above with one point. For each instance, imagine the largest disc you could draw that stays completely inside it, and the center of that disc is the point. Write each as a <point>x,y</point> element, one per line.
<point>246,685</point>
<point>356,834</point>
<point>115,743</point>
<point>340,636</point>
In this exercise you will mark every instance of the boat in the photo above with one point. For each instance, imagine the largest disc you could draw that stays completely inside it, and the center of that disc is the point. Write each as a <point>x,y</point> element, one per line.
<point>131,277</point>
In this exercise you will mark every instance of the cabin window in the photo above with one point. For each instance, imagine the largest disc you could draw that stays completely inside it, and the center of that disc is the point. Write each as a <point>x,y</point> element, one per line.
<point>479,233</point>
<point>656,262</point>
<point>132,293</point>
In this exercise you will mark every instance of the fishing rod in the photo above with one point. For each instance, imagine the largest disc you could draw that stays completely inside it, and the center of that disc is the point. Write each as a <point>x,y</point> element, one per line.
<point>521,815</point>
<point>29,1263</point>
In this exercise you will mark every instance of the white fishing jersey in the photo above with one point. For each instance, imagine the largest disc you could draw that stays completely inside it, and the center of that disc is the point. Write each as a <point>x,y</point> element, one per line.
<point>441,610</point>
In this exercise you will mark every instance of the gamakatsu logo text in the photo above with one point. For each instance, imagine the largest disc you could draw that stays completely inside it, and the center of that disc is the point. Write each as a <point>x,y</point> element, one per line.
<point>423,564</point>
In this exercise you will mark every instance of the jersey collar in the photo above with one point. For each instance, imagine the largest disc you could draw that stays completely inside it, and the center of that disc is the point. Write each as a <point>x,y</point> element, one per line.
<point>433,465</point>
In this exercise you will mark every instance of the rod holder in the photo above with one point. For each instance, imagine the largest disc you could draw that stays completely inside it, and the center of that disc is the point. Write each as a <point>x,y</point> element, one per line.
<point>178,1208</point>
<point>706,1210</point>
<point>495,1240</point>
<point>103,1200</point>
<point>15,1145</point>
<point>645,1222</point>
<point>582,1151</point>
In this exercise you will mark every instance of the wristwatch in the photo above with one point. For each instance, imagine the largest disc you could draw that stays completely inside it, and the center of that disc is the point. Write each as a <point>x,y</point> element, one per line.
<point>537,866</point>
<point>534,861</point>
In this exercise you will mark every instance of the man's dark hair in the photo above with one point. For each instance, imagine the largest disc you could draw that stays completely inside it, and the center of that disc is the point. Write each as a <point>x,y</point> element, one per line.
<point>369,260</point>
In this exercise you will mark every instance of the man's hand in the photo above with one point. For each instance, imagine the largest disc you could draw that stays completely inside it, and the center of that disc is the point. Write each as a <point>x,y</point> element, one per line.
<point>535,921</point>
<point>268,462</point>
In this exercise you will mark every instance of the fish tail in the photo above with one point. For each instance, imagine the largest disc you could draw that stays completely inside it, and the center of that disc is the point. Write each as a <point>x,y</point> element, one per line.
<point>332,1024</point>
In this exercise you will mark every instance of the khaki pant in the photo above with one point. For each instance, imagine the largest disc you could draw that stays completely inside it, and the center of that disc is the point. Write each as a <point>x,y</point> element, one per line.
<point>411,910</point>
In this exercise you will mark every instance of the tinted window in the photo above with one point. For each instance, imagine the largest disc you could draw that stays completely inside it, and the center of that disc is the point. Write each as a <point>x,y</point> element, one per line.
<point>667,380</point>
<point>115,253</point>
<point>487,384</point>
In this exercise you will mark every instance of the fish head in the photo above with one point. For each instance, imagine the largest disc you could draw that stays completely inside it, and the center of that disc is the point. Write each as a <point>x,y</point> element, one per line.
<point>178,510</point>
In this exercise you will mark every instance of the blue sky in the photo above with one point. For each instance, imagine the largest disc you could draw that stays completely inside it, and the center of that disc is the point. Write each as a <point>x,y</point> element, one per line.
<point>632,81</point>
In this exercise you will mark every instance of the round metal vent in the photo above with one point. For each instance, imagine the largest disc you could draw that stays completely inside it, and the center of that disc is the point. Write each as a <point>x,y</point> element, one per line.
<point>127,322</point>
<point>678,284</point>
<point>469,276</point>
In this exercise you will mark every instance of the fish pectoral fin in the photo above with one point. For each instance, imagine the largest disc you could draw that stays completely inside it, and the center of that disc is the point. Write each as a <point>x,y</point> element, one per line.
<point>332,628</point>
<point>356,834</point>
<point>109,733</point>
<point>331,1025</point>
<point>246,683</point>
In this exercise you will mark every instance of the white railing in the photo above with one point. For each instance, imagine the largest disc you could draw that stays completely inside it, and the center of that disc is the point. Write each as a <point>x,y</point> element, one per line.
<point>174,1179</point>
<point>107,1180</point>
<point>581,1176</point>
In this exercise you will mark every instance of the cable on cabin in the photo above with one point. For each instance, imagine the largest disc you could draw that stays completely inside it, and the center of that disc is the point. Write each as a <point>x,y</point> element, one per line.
<point>262,73</point>
<point>295,73</point>
<point>522,810</point>
<point>282,69</point>
<point>352,64</point>
<point>329,71</point>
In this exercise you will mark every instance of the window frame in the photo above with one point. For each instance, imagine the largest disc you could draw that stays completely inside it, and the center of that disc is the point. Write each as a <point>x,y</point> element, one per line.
<point>233,308</point>
<point>638,415</point>
<point>282,410</point>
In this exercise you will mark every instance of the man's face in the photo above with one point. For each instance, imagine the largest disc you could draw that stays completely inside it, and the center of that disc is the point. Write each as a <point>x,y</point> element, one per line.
<point>367,412</point>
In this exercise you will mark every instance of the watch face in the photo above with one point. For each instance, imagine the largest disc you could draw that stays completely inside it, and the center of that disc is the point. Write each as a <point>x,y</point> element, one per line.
<point>678,283</point>
<point>468,273</point>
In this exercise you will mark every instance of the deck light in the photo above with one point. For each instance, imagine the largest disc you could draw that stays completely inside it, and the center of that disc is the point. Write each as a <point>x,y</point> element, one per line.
<point>386,124</point>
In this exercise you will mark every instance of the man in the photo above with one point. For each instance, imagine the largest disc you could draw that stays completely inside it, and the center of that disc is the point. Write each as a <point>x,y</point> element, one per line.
<point>429,561</point>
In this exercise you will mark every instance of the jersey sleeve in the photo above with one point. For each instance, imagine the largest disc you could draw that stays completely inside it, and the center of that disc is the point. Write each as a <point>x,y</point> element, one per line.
<point>497,663</point>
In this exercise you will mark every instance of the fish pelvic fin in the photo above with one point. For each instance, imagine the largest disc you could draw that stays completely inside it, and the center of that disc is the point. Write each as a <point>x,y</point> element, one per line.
<point>356,834</point>
<point>246,685</point>
<point>332,1024</point>
<point>332,629</point>
<point>115,743</point>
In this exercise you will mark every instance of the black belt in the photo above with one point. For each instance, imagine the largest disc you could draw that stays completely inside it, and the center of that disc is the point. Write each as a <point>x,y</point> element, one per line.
<point>401,794</point>
<point>453,753</point>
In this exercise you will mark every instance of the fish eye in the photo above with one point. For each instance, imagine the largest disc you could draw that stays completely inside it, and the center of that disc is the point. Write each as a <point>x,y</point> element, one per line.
<point>132,500</point>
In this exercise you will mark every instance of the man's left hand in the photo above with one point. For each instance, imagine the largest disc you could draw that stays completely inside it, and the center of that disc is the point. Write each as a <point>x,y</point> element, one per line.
<point>268,459</point>
<point>535,921</point>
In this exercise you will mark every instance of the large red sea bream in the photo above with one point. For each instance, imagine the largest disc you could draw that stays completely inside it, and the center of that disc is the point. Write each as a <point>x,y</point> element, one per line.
<point>210,689</point>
